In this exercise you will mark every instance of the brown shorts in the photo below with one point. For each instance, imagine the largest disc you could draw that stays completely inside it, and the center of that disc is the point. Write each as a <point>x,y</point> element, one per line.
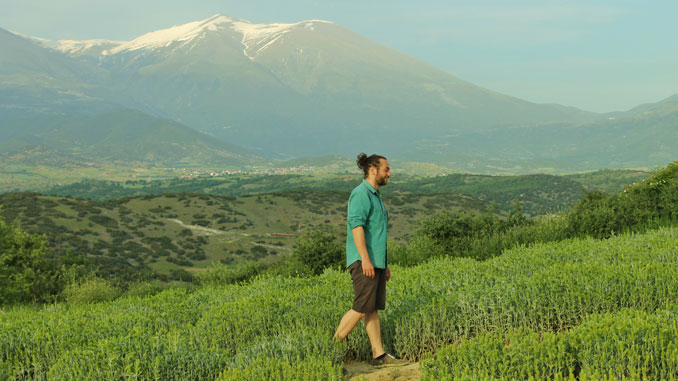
<point>370,294</point>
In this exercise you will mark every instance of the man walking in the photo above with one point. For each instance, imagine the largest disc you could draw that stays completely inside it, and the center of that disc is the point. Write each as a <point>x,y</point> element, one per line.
<point>366,255</point>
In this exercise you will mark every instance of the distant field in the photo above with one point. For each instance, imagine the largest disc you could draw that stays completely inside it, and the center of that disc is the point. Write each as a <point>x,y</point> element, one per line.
<point>19,174</point>
<point>18,178</point>
<point>538,194</point>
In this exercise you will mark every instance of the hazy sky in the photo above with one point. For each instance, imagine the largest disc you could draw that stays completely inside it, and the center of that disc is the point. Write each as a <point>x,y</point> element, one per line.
<point>596,55</point>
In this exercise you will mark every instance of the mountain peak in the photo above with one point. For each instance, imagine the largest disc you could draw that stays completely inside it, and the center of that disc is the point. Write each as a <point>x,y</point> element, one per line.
<point>183,32</point>
<point>255,37</point>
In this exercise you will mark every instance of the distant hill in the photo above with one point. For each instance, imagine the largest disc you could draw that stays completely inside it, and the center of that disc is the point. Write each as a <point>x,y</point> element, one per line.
<point>36,81</point>
<point>645,137</point>
<point>126,137</point>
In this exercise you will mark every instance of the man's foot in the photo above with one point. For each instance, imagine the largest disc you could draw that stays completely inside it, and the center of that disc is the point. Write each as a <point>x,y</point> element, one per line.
<point>345,372</point>
<point>387,360</point>
<point>340,348</point>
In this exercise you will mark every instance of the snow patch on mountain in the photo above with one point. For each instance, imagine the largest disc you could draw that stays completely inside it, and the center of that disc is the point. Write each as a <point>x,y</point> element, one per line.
<point>76,47</point>
<point>177,33</point>
<point>255,37</point>
<point>258,37</point>
<point>72,47</point>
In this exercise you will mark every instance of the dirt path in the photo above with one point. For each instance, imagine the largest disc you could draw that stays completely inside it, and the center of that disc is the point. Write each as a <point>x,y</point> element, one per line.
<point>202,229</point>
<point>365,371</point>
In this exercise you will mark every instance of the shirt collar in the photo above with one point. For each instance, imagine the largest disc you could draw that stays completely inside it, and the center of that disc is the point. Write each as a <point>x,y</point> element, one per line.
<point>369,187</point>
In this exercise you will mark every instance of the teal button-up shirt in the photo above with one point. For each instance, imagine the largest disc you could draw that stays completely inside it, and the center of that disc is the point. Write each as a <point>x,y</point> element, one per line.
<point>366,209</point>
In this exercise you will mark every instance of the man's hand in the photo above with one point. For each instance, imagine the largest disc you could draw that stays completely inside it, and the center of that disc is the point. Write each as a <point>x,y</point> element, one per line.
<point>359,239</point>
<point>388,274</point>
<point>368,269</point>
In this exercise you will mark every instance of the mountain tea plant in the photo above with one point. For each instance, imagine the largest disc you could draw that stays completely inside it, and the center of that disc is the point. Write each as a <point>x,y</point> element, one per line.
<point>281,327</point>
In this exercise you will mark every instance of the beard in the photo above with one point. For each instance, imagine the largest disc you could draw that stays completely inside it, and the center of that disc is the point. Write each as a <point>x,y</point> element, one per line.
<point>381,180</point>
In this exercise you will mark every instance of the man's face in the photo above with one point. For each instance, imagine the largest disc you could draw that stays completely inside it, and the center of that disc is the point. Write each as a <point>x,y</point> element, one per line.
<point>383,172</point>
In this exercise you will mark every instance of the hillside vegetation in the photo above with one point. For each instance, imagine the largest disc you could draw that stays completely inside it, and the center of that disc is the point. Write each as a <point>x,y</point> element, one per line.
<point>609,180</point>
<point>278,327</point>
<point>165,235</point>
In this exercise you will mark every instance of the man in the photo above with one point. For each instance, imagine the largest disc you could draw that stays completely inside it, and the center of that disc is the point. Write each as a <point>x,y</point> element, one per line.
<point>366,255</point>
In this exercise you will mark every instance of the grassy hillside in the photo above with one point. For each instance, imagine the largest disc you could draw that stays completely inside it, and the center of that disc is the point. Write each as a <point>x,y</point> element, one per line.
<point>609,180</point>
<point>164,234</point>
<point>538,194</point>
<point>280,328</point>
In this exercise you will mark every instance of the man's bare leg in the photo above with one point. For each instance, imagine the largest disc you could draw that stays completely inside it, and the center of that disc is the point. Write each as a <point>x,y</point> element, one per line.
<point>373,328</point>
<point>347,323</point>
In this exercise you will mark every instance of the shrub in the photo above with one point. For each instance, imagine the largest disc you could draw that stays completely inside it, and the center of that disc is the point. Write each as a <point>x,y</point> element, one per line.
<point>104,221</point>
<point>418,250</point>
<point>258,251</point>
<point>142,289</point>
<point>318,249</point>
<point>93,290</point>
<point>602,215</point>
<point>181,275</point>
<point>26,274</point>
<point>221,274</point>
<point>478,236</point>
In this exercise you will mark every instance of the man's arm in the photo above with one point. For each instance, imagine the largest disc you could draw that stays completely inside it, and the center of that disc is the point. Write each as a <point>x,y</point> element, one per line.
<point>359,239</point>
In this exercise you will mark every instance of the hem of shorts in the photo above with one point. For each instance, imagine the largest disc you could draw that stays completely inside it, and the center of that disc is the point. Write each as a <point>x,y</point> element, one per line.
<point>376,309</point>
<point>349,265</point>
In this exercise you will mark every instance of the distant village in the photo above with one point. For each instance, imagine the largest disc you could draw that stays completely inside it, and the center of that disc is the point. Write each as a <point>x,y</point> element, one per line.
<point>192,173</point>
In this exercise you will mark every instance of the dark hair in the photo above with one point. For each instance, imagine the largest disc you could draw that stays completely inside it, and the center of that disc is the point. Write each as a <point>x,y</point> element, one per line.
<point>365,162</point>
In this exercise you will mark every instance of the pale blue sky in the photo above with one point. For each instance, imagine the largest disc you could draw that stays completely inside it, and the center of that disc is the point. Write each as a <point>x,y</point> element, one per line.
<point>596,55</point>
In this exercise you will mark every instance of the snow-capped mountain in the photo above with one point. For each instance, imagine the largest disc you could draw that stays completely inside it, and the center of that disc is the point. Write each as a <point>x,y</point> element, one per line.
<point>304,88</point>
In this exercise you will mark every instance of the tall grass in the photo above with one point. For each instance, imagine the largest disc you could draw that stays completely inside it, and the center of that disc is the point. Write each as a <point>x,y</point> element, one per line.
<point>281,328</point>
<point>626,345</point>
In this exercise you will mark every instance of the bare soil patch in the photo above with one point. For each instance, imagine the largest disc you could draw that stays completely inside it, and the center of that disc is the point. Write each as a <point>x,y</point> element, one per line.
<point>363,371</point>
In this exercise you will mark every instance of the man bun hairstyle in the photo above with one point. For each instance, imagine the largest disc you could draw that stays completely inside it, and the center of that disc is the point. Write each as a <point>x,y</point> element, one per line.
<point>365,162</point>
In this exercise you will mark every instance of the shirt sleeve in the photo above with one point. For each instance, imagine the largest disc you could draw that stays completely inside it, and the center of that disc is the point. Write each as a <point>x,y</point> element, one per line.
<point>358,209</point>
